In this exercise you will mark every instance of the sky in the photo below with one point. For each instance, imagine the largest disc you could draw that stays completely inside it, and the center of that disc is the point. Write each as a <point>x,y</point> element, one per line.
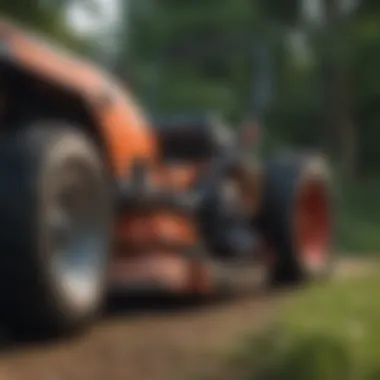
<point>85,22</point>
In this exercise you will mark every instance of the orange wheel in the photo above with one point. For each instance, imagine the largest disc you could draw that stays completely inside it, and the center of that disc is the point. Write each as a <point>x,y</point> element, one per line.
<point>313,225</point>
<point>298,218</point>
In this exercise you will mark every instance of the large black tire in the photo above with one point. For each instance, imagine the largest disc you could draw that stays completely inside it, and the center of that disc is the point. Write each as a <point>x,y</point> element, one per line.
<point>288,179</point>
<point>53,188</point>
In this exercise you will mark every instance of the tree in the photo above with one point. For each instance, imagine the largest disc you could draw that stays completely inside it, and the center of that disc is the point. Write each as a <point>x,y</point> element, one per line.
<point>190,54</point>
<point>336,74</point>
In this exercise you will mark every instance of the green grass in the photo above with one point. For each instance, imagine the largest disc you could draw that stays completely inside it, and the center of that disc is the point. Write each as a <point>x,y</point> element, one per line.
<point>358,219</point>
<point>331,332</point>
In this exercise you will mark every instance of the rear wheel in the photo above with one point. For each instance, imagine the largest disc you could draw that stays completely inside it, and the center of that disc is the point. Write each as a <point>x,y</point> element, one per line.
<point>55,214</point>
<point>297,219</point>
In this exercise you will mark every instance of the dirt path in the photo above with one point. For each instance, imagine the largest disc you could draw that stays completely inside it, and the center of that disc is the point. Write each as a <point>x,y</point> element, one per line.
<point>150,345</point>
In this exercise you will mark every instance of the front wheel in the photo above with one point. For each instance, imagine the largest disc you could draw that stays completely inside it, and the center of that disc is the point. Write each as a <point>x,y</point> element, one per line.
<point>55,216</point>
<point>297,219</point>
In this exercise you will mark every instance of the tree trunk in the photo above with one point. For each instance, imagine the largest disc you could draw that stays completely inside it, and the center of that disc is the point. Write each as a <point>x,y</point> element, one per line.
<point>339,120</point>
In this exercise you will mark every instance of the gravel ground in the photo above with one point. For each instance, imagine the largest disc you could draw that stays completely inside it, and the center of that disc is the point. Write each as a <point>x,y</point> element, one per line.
<point>156,343</point>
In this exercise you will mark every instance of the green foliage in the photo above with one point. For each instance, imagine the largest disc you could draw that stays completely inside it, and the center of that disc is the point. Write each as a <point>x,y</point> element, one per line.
<point>359,217</point>
<point>331,332</point>
<point>199,50</point>
<point>366,51</point>
<point>282,11</point>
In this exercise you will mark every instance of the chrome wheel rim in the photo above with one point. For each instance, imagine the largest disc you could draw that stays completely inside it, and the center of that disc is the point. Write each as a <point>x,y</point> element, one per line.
<point>77,235</point>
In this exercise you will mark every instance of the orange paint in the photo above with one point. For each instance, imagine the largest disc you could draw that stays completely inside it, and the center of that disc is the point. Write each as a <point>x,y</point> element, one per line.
<point>126,131</point>
<point>164,228</point>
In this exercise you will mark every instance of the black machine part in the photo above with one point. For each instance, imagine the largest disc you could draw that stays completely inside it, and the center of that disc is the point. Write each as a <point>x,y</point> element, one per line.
<point>192,137</point>
<point>216,199</point>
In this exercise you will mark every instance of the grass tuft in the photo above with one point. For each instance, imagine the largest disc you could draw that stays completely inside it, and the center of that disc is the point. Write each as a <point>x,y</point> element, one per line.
<point>331,332</point>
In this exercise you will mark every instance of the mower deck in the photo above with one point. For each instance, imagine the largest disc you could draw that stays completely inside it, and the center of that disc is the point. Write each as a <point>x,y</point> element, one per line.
<point>178,274</point>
